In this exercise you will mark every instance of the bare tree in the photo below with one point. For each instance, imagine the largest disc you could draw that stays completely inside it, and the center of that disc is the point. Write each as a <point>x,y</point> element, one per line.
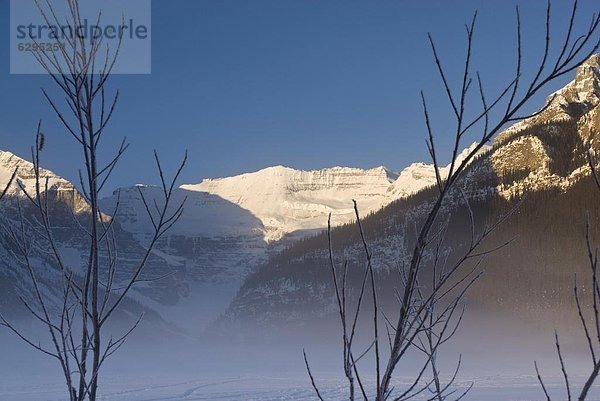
<point>426,320</point>
<point>91,294</point>
<point>590,325</point>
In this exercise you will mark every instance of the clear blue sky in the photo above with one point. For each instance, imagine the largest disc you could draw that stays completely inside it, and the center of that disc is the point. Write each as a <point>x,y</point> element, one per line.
<point>309,84</point>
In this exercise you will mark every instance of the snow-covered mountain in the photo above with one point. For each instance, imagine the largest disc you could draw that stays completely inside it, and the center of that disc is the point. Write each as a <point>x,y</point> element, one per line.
<point>419,176</point>
<point>229,226</point>
<point>209,252</point>
<point>548,149</point>
<point>288,200</point>
<point>295,201</point>
<point>201,263</point>
<point>543,157</point>
<point>233,225</point>
<point>69,213</point>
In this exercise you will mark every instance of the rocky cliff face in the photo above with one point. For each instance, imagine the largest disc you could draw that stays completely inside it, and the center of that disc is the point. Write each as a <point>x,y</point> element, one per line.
<point>549,149</point>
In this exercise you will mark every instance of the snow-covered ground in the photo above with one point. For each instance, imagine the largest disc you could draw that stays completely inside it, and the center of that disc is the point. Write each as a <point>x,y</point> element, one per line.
<point>493,388</point>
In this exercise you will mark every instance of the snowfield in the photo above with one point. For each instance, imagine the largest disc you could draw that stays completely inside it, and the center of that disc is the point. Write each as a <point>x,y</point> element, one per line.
<point>493,388</point>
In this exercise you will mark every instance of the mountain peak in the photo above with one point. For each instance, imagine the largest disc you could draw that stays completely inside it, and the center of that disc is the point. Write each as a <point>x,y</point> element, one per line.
<point>592,63</point>
<point>278,169</point>
<point>587,79</point>
<point>8,163</point>
<point>8,158</point>
<point>391,175</point>
<point>583,92</point>
<point>25,178</point>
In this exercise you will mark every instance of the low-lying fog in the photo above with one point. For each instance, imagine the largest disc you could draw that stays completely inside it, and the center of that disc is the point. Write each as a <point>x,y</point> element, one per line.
<point>497,356</point>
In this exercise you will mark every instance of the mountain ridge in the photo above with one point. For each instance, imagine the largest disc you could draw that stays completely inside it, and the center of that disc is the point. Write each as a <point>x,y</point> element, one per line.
<point>288,200</point>
<point>543,157</point>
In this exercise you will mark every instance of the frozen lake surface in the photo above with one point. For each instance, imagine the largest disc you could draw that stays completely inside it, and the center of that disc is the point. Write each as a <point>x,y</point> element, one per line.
<point>259,389</point>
